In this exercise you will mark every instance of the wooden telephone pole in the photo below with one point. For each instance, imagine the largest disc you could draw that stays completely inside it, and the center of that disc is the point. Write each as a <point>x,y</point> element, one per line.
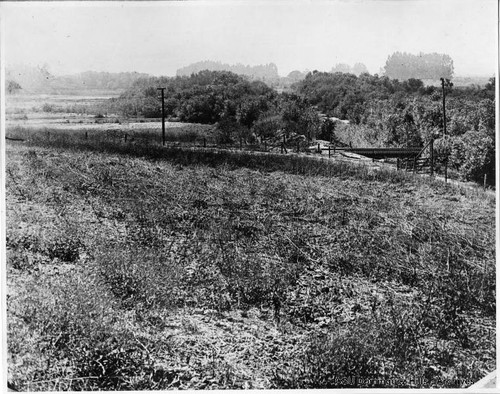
<point>162,115</point>
<point>445,83</point>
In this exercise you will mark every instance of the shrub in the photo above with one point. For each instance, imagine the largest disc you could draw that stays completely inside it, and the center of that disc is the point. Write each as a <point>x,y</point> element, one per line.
<point>48,107</point>
<point>387,349</point>
<point>66,250</point>
<point>140,276</point>
<point>479,156</point>
<point>350,356</point>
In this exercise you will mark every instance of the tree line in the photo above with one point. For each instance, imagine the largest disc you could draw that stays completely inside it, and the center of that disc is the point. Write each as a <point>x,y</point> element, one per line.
<point>38,79</point>
<point>427,66</point>
<point>265,72</point>
<point>387,112</point>
<point>381,111</point>
<point>242,109</point>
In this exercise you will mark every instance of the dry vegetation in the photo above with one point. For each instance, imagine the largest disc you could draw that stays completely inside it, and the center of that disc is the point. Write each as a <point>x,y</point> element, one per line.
<point>137,267</point>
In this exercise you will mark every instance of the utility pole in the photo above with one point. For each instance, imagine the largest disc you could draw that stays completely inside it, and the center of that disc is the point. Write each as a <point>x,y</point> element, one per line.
<point>162,115</point>
<point>444,84</point>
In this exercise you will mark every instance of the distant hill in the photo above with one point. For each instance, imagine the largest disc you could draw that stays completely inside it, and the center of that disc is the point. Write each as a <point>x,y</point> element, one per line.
<point>36,79</point>
<point>100,80</point>
<point>266,73</point>
<point>357,69</point>
<point>29,78</point>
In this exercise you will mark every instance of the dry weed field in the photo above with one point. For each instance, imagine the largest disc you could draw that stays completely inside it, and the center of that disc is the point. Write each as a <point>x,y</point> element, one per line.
<point>135,266</point>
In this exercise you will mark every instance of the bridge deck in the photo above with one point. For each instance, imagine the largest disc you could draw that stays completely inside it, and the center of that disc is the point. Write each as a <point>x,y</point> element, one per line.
<point>380,153</point>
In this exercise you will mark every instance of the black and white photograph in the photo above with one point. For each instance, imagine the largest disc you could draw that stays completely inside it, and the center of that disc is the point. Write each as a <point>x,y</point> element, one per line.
<point>217,194</point>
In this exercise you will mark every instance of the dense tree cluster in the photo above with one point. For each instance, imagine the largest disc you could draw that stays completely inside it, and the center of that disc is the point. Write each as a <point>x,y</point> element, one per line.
<point>39,80</point>
<point>204,97</point>
<point>431,66</point>
<point>267,72</point>
<point>12,87</point>
<point>357,69</point>
<point>387,112</point>
<point>242,109</point>
<point>346,96</point>
<point>381,111</point>
<point>101,80</point>
<point>31,78</point>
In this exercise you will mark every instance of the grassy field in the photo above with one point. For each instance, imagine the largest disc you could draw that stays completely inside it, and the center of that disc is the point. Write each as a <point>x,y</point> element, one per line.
<point>136,267</point>
<point>33,105</point>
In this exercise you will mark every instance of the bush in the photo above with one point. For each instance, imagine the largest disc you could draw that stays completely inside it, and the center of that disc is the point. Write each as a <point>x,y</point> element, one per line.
<point>49,108</point>
<point>479,156</point>
<point>473,155</point>
<point>227,131</point>
<point>365,353</point>
<point>387,349</point>
<point>12,87</point>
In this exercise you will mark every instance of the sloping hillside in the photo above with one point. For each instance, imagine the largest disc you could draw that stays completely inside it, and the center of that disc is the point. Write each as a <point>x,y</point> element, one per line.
<point>129,272</point>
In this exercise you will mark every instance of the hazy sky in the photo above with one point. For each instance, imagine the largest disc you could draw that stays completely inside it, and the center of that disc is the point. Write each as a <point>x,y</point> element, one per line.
<point>160,37</point>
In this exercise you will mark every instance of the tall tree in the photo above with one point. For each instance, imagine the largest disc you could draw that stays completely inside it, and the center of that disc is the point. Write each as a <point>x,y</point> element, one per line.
<point>359,68</point>
<point>341,68</point>
<point>403,66</point>
<point>12,87</point>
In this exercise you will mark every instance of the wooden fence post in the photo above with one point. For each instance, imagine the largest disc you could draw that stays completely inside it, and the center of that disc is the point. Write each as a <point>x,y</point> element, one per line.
<point>446,170</point>
<point>432,156</point>
<point>329,153</point>
<point>162,115</point>
<point>484,183</point>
